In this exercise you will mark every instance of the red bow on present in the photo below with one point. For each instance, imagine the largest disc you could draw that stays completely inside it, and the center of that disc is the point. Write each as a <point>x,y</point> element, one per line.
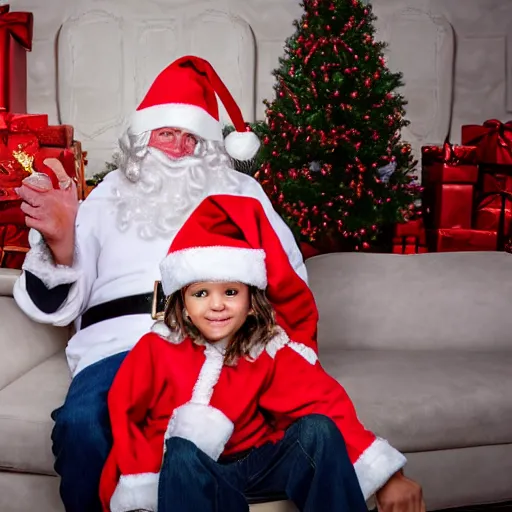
<point>503,132</point>
<point>449,154</point>
<point>19,26</point>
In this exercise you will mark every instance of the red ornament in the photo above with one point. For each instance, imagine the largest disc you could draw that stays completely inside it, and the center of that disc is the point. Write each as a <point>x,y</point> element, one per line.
<point>354,94</point>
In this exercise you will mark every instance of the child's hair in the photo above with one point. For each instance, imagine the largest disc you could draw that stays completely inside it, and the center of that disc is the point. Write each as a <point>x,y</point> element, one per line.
<point>257,330</point>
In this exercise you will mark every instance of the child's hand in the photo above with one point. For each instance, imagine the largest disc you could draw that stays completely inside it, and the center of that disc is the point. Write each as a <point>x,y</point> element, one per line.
<point>400,494</point>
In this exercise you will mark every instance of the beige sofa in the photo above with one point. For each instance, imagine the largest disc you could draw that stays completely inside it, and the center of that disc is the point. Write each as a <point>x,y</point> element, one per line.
<point>422,343</point>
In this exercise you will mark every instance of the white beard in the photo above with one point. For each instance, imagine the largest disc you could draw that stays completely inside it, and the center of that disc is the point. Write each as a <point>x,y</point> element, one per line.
<point>167,191</point>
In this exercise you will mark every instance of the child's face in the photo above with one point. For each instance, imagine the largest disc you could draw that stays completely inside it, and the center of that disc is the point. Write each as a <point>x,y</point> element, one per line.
<point>218,310</point>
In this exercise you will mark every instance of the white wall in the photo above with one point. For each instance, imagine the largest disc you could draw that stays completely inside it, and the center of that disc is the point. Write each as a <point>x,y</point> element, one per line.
<point>93,59</point>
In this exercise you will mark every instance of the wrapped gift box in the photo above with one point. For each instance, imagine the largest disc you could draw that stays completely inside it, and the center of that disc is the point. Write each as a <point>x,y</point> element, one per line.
<point>30,134</point>
<point>449,176</point>
<point>454,240</point>
<point>410,238</point>
<point>13,245</point>
<point>15,40</point>
<point>493,140</point>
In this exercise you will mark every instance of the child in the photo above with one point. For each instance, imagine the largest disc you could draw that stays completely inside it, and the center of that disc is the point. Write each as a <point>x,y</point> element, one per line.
<point>230,400</point>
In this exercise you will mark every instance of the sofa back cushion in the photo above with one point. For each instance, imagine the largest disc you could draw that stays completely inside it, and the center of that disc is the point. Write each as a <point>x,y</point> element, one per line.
<point>23,343</point>
<point>448,301</point>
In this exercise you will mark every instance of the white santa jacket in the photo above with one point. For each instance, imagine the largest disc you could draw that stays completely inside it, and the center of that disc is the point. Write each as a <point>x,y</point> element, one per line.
<point>110,264</point>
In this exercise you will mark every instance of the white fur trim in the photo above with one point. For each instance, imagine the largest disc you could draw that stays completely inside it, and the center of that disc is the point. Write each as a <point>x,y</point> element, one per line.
<point>208,428</point>
<point>208,376</point>
<point>133,492</point>
<point>242,145</point>
<point>376,465</point>
<point>190,118</point>
<point>39,261</point>
<point>184,267</point>
<point>303,350</point>
<point>279,341</point>
<point>164,332</point>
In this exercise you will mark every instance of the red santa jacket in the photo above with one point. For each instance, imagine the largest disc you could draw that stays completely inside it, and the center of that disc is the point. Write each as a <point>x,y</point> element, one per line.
<point>165,389</point>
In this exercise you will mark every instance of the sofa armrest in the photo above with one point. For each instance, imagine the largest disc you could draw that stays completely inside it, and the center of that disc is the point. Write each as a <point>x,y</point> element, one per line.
<point>23,343</point>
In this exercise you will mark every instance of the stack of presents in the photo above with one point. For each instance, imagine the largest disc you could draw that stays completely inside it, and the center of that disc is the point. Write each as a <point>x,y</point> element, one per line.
<point>467,194</point>
<point>24,137</point>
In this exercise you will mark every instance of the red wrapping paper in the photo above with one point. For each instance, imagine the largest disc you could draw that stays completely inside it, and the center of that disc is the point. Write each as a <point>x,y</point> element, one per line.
<point>57,136</point>
<point>448,206</point>
<point>455,240</point>
<point>408,245</point>
<point>495,184</point>
<point>409,238</point>
<point>487,219</point>
<point>16,29</point>
<point>13,246</point>
<point>449,174</point>
<point>493,140</point>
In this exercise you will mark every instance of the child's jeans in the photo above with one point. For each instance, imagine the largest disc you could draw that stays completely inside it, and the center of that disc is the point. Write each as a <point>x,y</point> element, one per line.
<point>310,466</point>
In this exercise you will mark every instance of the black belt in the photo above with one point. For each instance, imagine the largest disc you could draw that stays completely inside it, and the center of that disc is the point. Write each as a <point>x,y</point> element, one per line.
<point>145,303</point>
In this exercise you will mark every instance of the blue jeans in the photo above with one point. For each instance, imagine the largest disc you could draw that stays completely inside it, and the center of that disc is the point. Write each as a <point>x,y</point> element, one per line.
<point>82,436</point>
<point>310,466</point>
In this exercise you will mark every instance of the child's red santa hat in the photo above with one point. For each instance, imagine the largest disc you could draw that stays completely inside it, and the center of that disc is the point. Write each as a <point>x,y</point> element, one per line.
<point>184,96</point>
<point>229,238</point>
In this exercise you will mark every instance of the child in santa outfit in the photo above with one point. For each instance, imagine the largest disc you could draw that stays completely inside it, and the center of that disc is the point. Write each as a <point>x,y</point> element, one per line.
<point>226,397</point>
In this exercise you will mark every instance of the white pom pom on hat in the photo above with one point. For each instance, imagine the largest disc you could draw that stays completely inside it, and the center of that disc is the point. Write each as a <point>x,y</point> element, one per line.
<point>184,95</point>
<point>242,145</point>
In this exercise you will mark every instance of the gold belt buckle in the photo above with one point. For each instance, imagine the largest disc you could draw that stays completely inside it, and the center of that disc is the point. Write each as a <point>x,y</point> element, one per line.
<point>158,304</point>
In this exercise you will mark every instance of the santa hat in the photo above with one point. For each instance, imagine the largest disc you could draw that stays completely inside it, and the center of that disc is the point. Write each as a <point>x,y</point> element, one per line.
<point>229,238</point>
<point>184,96</point>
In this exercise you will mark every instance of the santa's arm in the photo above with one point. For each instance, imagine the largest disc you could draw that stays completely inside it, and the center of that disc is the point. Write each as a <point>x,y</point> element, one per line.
<point>284,233</point>
<point>300,387</point>
<point>57,294</point>
<point>130,477</point>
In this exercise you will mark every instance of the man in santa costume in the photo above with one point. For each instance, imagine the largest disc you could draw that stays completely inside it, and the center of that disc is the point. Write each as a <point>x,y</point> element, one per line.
<point>219,402</point>
<point>96,264</point>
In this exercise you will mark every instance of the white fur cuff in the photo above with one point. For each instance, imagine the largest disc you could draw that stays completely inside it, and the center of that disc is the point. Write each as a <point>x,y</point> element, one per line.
<point>208,428</point>
<point>134,492</point>
<point>39,261</point>
<point>376,465</point>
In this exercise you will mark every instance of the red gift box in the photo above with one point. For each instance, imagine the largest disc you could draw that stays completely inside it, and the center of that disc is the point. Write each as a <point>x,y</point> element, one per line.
<point>408,245</point>
<point>493,183</point>
<point>15,40</point>
<point>409,238</point>
<point>60,136</point>
<point>449,175</point>
<point>30,133</point>
<point>488,219</point>
<point>13,246</point>
<point>493,140</point>
<point>455,240</point>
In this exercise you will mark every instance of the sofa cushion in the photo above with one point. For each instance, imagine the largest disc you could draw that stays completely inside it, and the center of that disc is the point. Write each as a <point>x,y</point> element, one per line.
<point>23,343</point>
<point>423,401</point>
<point>444,301</point>
<point>25,423</point>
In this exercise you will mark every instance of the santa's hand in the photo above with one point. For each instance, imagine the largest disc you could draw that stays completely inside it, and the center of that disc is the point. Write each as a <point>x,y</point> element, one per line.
<point>53,213</point>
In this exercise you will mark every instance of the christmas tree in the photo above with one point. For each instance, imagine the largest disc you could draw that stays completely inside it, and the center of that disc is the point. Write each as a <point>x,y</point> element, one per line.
<point>332,159</point>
